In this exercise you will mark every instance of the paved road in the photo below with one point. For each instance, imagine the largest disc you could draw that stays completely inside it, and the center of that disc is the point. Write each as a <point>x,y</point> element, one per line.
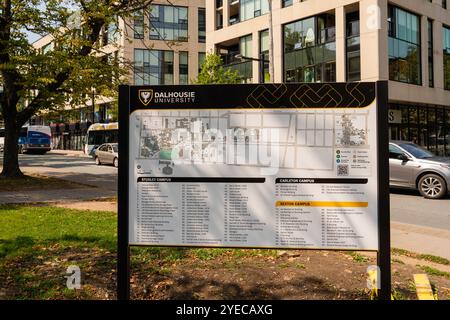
<point>409,207</point>
<point>73,168</point>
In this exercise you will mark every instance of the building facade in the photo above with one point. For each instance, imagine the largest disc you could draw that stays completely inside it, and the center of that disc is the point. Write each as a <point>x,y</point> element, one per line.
<point>405,42</point>
<point>166,42</point>
<point>162,44</point>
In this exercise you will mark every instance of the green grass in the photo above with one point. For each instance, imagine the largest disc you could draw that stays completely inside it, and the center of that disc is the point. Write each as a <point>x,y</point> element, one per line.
<point>31,237</point>
<point>435,259</point>
<point>22,227</point>
<point>397,295</point>
<point>358,257</point>
<point>397,261</point>
<point>426,257</point>
<point>245,253</point>
<point>36,182</point>
<point>434,272</point>
<point>401,252</point>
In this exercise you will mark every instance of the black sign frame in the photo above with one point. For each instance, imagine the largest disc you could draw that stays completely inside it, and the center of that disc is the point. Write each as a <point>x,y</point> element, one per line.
<point>324,95</point>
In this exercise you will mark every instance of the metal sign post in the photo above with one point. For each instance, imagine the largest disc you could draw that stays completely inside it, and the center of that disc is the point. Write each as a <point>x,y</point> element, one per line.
<point>197,161</point>
<point>384,222</point>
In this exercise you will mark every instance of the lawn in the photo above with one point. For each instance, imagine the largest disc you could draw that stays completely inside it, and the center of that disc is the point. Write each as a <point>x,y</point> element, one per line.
<point>35,182</point>
<point>22,227</point>
<point>38,243</point>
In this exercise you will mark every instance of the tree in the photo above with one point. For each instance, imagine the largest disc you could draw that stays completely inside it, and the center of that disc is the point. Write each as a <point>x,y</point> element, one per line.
<point>213,72</point>
<point>35,80</point>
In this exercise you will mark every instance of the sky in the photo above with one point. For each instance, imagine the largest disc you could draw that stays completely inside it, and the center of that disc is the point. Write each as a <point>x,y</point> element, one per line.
<point>32,37</point>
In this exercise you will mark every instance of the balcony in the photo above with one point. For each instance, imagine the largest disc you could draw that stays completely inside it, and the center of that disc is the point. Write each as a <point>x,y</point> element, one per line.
<point>244,68</point>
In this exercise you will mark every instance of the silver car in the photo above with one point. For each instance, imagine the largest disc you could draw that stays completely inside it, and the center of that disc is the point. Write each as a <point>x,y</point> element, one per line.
<point>413,167</point>
<point>107,153</point>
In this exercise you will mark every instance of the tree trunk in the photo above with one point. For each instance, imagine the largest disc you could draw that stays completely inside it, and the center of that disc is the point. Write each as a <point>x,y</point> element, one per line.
<point>10,153</point>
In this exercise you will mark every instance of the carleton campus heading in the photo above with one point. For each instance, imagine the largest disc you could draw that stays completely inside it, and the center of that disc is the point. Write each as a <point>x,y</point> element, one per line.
<point>174,97</point>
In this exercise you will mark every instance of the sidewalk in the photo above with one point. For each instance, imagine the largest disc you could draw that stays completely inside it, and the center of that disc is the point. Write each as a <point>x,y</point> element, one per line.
<point>420,239</point>
<point>71,153</point>
<point>56,196</point>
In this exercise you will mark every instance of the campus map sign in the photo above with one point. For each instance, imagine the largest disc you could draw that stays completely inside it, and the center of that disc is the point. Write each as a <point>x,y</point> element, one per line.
<point>261,166</point>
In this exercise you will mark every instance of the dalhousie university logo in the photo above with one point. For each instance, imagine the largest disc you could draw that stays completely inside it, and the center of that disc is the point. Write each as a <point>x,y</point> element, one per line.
<point>146,96</point>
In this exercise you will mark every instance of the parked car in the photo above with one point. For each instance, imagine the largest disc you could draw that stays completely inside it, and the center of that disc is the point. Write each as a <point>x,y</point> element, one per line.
<point>107,153</point>
<point>413,167</point>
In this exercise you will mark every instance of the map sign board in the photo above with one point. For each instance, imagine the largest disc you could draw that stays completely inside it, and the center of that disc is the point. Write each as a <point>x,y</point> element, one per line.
<point>292,166</point>
<point>260,166</point>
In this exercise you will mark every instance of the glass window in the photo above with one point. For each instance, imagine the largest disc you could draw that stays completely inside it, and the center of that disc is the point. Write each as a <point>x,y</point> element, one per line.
<point>330,72</point>
<point>264,52</point>
<point>354,68</point>
<point>413,116</point>
<point>395,152</point>
<point>300,34</point>
<point>184,67</point>
<point>153,67</point>
<point>245,46</point>
<point>253,8</point>
<point>430,54</point>
<point>287,3</point>
<point>310,50</point>
<point>404,46</point>
<point>169,23</point>
<point>138,24</point>
<point>416,151</point>
<point>247,9</point>
<point>353,47</point>
<point>264,36</point>
<point>154,13</point>
<point>446,47</point>
<point>201,25</point>
<point>201,59</point>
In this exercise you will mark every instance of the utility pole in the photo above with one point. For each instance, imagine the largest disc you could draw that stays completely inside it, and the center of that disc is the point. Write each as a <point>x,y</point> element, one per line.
<point>93,105</point>
<point>271,69</point>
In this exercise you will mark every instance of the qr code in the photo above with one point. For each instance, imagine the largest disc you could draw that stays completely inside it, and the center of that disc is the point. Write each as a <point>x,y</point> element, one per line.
<point>342,170</point>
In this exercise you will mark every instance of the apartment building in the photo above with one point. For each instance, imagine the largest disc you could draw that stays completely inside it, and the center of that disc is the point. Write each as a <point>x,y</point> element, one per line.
<point>403,41</point>
<point>165,44</point>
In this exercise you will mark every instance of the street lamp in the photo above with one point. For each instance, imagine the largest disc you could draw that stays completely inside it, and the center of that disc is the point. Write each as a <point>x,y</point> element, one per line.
<point>93,105</point>
<point>261,64</point>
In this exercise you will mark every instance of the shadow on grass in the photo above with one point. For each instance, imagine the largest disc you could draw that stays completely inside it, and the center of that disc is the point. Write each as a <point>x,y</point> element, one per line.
<point>8,247</point>
<point>26,244</point>
<point>36,274</point>
<point>159,253</point>
<point>194,287</point>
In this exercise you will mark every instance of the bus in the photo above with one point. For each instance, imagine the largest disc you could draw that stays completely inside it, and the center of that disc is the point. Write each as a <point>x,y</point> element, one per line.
<point>35,139</point>
<point>100,133</point>
<point>2,139</point>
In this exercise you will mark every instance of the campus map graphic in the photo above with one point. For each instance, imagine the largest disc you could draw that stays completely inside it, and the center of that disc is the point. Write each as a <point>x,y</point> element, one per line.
<point>304,139</point>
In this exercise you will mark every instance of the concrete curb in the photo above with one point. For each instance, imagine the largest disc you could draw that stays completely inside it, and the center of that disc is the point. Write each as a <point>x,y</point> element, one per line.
<point>56,196</point>
<point>70,153</point>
